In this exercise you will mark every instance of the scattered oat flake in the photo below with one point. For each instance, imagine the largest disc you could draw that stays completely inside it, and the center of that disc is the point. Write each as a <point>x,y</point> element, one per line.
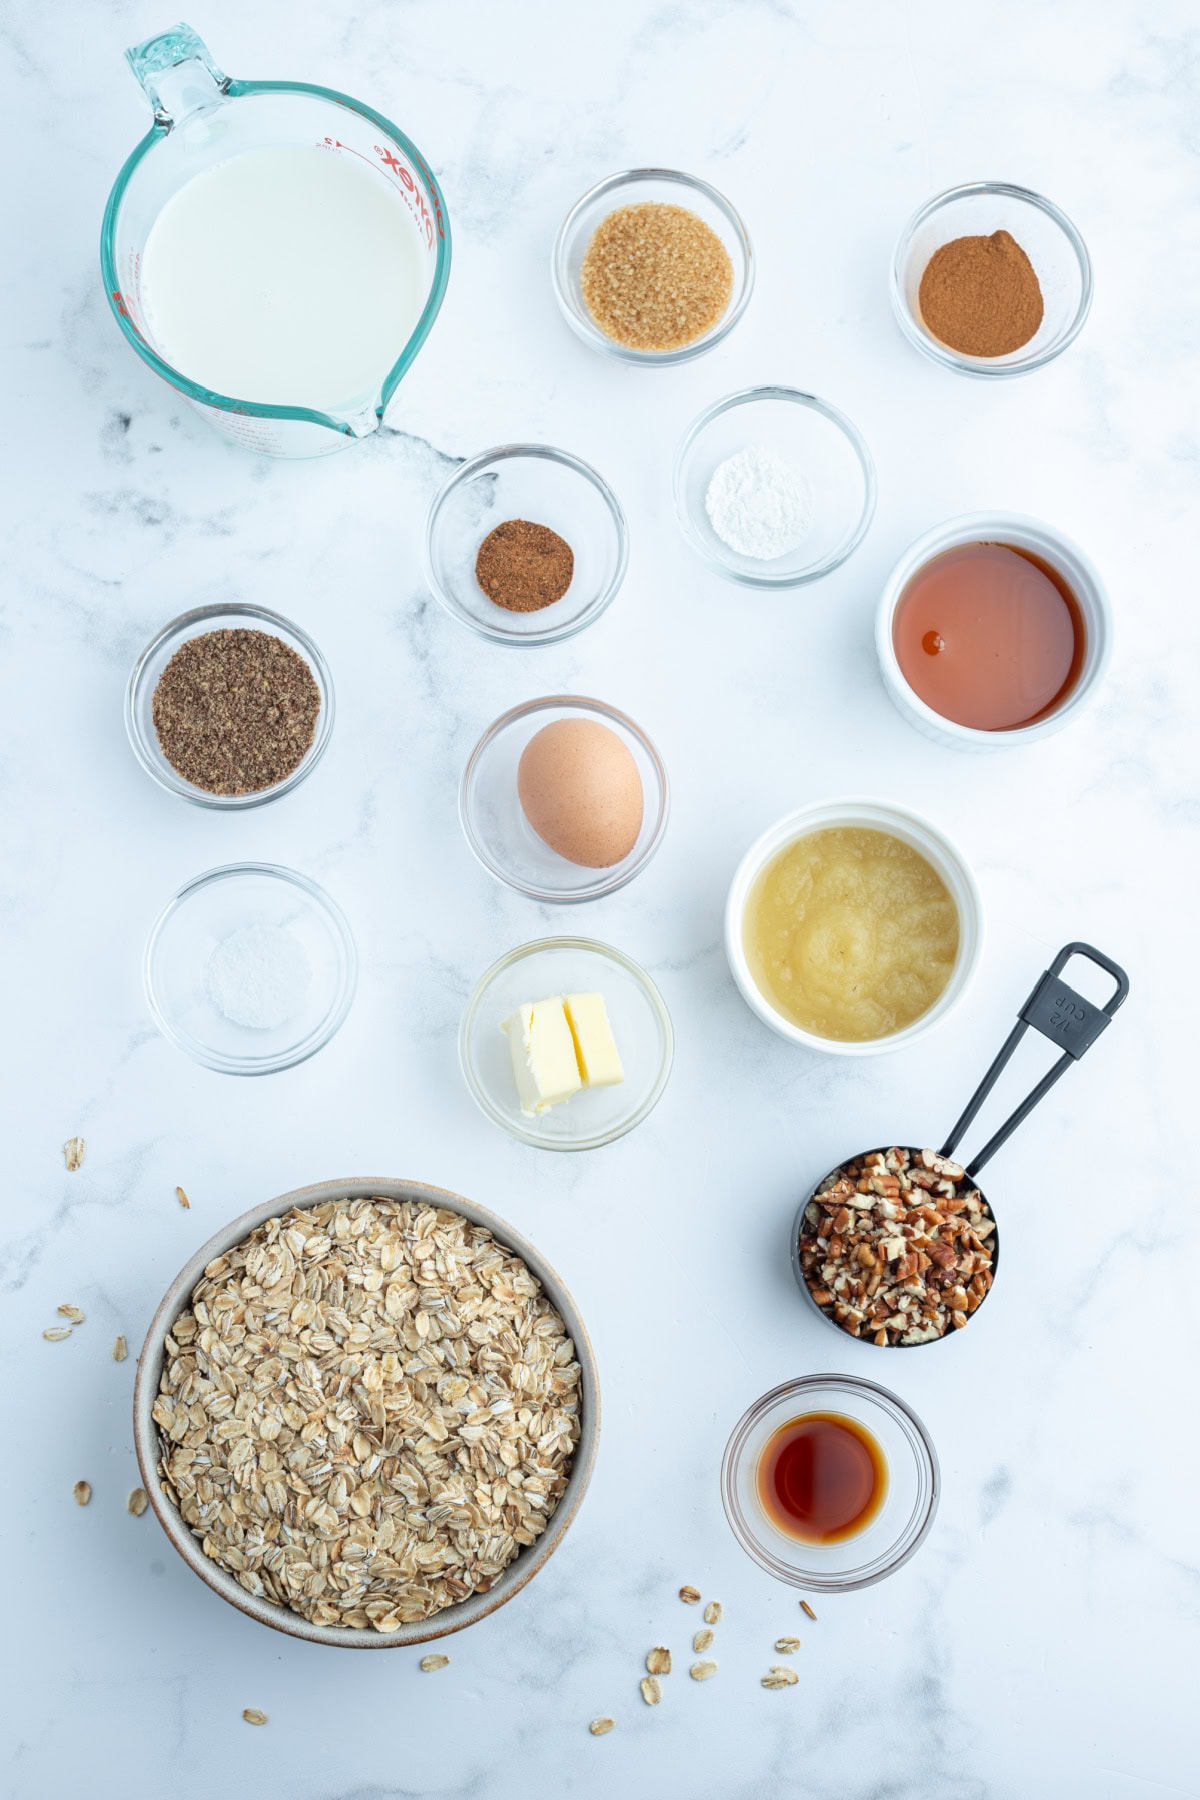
<point>429,1663</point>
<point>658,1660</point>
<point>779,1677</point>
<point>137,1502</point>
<point>120,1349</point>
<point>787,1646</point>
<point>690,1596</point>
<point>702,1641</point>
<point>651,1689</point>
<point>57,1333</point>
<point>74,1150</point>
<point>82,1492</point>
<point>805,1607</point>
<point>702,1671</point>
<point>712,1613</point>
<point>74,1313</point>
<point>182,1199</point>
<point>252,1716</point>
<point>601,1727</point>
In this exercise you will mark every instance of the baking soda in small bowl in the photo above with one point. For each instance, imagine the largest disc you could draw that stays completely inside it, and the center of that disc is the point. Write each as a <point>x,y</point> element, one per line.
<point>760,504</point>
<point>258,977</point>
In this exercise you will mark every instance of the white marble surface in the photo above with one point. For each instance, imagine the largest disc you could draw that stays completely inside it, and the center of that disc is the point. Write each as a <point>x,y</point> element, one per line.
<point>1043,1642</point>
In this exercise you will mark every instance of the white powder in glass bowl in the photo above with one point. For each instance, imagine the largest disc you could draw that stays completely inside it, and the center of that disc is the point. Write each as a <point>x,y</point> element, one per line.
<point>258,977</point>
<point>759,504</point>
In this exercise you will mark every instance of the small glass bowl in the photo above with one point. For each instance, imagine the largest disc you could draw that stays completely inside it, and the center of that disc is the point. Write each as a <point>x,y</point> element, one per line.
<point>502,838</point>
<point>139,699</point>
<point>548,487</point>
<point>903,1520</point>
<point>807,432</point>
<point>633,187</point>
<point>641,1027</point>
<point>210,909</point>
<point>1052,244</point>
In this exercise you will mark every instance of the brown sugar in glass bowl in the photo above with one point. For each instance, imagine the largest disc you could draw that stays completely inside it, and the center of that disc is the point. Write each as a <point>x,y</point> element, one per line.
<point>599,306</point>
<point>656,277</point>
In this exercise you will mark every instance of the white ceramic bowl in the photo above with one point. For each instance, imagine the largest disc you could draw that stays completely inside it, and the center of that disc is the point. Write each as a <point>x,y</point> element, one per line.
<point>1026,534</point>
<point>871,815</point>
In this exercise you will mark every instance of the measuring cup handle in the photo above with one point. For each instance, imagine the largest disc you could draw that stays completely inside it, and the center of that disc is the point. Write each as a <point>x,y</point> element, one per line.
<point>1061,1014</point>
<point>178,74</point>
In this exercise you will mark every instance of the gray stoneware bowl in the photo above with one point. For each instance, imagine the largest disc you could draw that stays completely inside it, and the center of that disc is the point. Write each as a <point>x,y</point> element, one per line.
<point>453,1618</point>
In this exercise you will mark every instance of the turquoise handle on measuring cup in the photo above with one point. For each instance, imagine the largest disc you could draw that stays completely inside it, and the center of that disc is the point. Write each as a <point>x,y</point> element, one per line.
<point>177,73</point>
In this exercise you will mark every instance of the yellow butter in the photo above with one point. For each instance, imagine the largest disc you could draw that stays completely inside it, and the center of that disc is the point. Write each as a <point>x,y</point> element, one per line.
<point>544,1062</point>
<point>595,1047</point>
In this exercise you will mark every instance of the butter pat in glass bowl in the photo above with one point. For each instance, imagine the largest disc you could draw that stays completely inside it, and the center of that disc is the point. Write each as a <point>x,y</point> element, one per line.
<point>640,187</point>
<point>641,1029</point>
<point>829,457</point>
<point>943,856</point>
<point>1048,238</point>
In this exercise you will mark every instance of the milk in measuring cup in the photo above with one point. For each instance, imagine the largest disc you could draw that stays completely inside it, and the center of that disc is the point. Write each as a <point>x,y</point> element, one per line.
<point>288,277</point>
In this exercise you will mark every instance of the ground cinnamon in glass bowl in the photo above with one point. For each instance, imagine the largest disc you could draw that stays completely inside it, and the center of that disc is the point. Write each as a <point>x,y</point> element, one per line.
<point>981,295</point>
<point>972,266</point>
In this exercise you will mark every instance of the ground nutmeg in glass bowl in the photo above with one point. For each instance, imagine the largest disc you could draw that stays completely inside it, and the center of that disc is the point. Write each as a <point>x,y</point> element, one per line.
<point>655,277</point>
<point>523,566</point>
<point>235,711</point>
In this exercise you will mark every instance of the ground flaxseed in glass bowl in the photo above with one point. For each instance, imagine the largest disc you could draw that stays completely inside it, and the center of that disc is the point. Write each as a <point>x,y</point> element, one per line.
<point>235,711</point>
<point>366,1410</point>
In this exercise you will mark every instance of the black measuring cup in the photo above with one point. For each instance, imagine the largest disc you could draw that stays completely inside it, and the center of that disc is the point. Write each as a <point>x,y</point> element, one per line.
<point>1061,1014</point>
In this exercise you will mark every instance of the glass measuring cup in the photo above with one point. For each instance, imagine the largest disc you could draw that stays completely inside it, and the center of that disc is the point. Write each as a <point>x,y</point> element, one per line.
<point>202,117</point>
<point>1059,1013</point>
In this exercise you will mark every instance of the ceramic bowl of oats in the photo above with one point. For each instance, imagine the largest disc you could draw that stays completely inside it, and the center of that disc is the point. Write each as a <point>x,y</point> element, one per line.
<point>366,1413</point>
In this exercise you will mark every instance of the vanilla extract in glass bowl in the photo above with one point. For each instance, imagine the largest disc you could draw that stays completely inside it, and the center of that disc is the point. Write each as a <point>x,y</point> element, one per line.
<point>899,1247</point>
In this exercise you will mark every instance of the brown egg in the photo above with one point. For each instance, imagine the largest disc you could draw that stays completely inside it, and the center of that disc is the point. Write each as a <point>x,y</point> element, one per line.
<point>580,789</point>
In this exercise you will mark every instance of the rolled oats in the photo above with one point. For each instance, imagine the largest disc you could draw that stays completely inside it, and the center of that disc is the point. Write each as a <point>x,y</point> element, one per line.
<point>651,1688</point>
<point>702,1641</point>
<point>339,1459</point>
<point>82,1492</point>
<point>75,1149</point>
<point>898,1246</point>
<point>183,1199</point>
<point>74,1313</point>
<point>430,1663</point>
<point>787,1646</point>
<point>57,1333</point>
<point>137,1502</point>
<point>805,1607</point>
<point>712,1613</point>
<point>702,1671</point>
<point>690,1596</point>
<point>601,1727</point>
<point>253,1716</point>
<point>120,1349</point>
<point>658,1660</point>
<point>779,1677</point>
